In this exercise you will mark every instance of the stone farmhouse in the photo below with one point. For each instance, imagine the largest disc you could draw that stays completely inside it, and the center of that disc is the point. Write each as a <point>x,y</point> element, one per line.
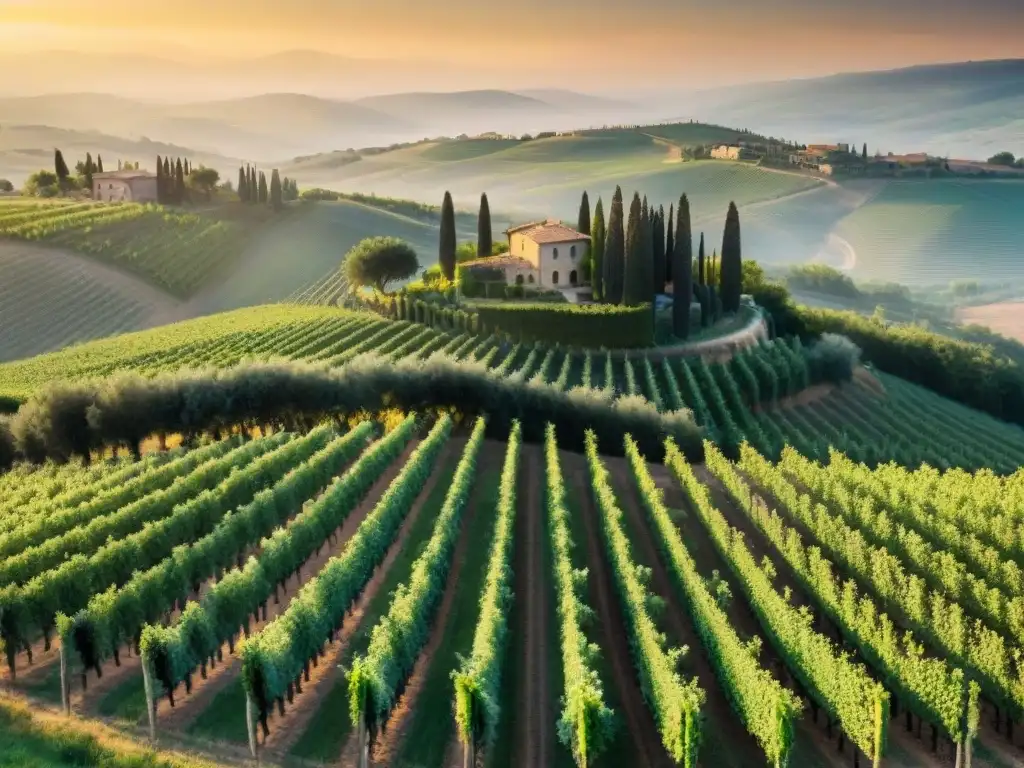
<point>545,254</point>
<point>124,186</point>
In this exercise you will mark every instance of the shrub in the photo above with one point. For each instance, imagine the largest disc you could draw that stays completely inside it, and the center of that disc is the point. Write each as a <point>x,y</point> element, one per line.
<point>583,325</point>
<point>833,358</point>
<point>6,186</point>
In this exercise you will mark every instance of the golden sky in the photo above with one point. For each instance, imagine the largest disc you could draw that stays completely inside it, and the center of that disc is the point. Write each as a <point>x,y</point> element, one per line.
<point>686,41</point>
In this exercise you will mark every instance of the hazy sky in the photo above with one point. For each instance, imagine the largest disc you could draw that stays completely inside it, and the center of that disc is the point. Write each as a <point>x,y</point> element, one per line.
<point>691,42</point>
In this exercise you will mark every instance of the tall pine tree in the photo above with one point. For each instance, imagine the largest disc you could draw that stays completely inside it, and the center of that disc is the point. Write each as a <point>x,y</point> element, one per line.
<point>634,289</point>
<point>615,251</point>
<point>447,243</point>
<point>731,278</point>
<point>670,243</point>
<point>276,193</point>
<point>597,252</point>
<point>682,271</point>
<point>484,233</point>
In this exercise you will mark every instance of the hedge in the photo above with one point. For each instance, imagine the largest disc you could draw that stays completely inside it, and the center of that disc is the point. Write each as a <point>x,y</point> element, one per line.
<point>66,420</point>
<point>582,325</point>
<point>973,374</point>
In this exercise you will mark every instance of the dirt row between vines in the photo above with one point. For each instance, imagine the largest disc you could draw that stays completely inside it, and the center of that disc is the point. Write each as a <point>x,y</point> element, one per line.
<point>398,731</point>
<point>611,636</point>
<point>535,737</point>
<point>286,731</point>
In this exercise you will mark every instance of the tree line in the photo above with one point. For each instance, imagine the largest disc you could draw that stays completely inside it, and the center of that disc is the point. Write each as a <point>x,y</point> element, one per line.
<point>254,189</point>
<point>72,419</point>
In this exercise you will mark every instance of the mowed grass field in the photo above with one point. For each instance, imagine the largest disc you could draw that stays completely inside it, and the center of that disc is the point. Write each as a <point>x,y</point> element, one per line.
<point>609,563</point>
<point>935,231</point>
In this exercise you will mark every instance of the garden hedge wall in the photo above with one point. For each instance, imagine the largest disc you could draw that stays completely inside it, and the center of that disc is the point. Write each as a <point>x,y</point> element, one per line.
<point>584,325</point>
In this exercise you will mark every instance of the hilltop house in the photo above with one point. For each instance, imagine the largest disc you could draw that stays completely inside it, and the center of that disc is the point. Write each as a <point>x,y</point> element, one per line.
<point>124,186</point>
<point>727,152</point>
<point>545,254</point>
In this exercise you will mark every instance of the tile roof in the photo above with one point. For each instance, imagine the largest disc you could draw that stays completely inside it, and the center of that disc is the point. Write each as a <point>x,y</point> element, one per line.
<point>133,174</point>
<point>500,261</point>
<point>550,231</point>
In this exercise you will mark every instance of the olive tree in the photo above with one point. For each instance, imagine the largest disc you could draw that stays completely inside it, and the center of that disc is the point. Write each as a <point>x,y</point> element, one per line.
<point>378,261</point>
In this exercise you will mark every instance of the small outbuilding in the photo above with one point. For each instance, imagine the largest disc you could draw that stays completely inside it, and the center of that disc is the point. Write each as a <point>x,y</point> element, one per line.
<point>124,186</point>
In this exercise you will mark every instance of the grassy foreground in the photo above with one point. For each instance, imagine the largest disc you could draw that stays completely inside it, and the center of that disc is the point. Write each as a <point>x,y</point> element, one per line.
<point>34,738</point>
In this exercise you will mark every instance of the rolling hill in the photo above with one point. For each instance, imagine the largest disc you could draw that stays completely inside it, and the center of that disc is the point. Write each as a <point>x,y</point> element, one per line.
<point>25,149</point>
<point>545,177</point>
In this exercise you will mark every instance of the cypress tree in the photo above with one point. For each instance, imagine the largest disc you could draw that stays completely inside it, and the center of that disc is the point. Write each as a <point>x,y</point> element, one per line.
<point>682,271</point>
<point>597,251</point>
<point>99,163</point>
<point>615,251</point>
<point>634,289</point>
<point>702,287</point>
<point>254,187</point>
<point>660,269</point>
<point>864,152</point>
<point>447,244</point>
<point>583,226</point>
<point>276,194</point>
<point>583,219</point>
<point>60,167</point>
<point>670,249</point>
<point>89,170</point>
<point>161,193</point>
<point>264,190</point>
<point>179,182</point>
<point>243,185</point>
<point>731,273</point>
<point>700,262</point>
<point>484,234</point>
<point>167,172</point>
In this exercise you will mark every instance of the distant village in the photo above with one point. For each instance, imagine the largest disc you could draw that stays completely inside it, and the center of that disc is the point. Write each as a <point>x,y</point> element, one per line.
<point>842,159</point>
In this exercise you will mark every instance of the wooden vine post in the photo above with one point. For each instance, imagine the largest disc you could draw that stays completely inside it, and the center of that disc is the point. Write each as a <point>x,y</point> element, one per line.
<point>363,743</point>
<point>65,681</point>
<point>250,724</point>
<point>469,753</point>
<point>147,684</point>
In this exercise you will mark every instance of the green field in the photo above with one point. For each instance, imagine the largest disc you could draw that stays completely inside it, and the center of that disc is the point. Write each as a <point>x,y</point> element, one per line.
<point>545,177</point>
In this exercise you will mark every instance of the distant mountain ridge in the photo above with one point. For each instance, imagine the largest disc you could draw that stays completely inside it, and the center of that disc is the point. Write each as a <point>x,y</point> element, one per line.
<point>287,124</point>
<point>971,109</point>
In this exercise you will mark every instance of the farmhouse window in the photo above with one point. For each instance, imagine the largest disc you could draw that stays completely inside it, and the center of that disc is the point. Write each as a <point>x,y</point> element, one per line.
<point>554,278</point>
<point>555,256</point>
<point>572,252</point>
